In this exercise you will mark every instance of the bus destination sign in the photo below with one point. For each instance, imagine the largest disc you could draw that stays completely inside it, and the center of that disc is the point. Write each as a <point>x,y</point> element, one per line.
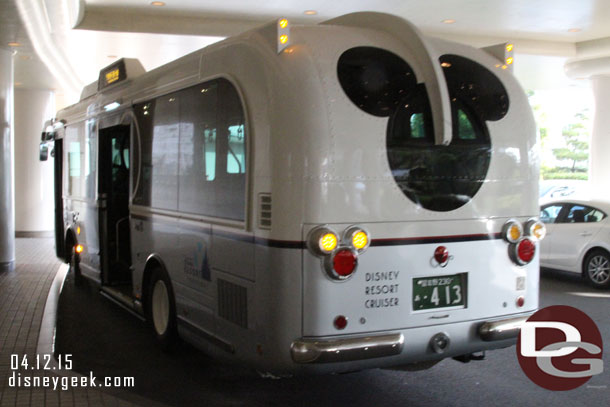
<point>112,74</point>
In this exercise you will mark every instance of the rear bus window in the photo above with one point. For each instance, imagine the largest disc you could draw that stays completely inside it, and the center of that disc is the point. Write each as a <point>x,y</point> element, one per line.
<point>439,178</point>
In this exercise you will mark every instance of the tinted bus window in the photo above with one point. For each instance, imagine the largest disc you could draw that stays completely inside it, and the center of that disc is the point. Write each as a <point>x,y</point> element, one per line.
<point>194,151</point>
<point>165,139</point>
<point>439,178</point>
<point>374,79</point>
<point>231,138</point>
<point>198,128</point>
<point>76,163</point>
<point>90,158</point>
<point>236,158</point>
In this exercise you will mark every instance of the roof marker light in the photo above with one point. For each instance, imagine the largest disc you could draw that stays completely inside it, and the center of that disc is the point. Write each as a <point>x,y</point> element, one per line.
<point>283,34</point>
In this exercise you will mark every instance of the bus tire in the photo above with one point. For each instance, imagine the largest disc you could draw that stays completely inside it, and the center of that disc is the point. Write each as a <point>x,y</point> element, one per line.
<point>162,309</point>
<point>596,268</point>
<point>75,267</point>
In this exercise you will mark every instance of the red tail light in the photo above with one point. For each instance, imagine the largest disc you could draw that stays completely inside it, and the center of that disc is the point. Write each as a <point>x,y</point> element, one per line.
<point>340,322</point>
<point>344,263</point>
<point>441,255</point>
<point>525,251</point>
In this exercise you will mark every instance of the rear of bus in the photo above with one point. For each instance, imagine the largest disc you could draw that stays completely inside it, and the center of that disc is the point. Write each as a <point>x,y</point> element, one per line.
<point>415,249</point>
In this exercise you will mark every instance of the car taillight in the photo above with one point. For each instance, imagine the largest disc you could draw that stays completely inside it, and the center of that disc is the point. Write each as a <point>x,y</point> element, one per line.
<point>344,263</point>
<point>525,250</point>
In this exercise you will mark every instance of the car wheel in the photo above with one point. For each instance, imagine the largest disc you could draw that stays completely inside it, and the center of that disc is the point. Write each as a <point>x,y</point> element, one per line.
<point>75,267</point>
<point>162,309</point>
<point>596,268</point>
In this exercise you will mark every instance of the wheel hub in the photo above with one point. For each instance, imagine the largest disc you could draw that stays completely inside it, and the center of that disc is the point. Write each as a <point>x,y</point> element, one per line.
<point>599,269</point>
<point>160,307</point>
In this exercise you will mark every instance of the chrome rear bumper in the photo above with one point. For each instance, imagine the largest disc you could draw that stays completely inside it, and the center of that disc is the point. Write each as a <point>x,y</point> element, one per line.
<point>501,329</point>
<point>345,350</point>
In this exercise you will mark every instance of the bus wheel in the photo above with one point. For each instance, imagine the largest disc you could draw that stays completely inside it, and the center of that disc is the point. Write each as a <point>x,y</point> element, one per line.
<point>596,268</point>
<point>75,267</point>
<point>162,309</point>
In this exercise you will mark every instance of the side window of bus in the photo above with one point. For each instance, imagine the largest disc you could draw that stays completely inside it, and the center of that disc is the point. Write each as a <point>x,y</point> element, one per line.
<point>90,158</point>
<point>198,129</point>
<point>236,159</point>
<point>193,152</point>
<point>231,169</point>
<point>75,154</point>
<point>165,154</point>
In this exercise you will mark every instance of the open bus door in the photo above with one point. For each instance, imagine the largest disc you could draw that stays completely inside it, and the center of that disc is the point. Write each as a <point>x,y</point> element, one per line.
<point>58,155</point>
<point>50,140</point>
<point>115,244</point>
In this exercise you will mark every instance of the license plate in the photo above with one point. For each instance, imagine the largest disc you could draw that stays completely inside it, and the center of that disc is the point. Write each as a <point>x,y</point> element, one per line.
<point>439,292</point>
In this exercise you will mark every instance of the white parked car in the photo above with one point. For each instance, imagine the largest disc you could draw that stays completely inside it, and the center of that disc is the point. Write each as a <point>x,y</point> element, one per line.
<point>578,239</point>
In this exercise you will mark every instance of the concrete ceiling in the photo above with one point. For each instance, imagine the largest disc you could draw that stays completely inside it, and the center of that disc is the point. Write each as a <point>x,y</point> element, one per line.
<point>53,54</point>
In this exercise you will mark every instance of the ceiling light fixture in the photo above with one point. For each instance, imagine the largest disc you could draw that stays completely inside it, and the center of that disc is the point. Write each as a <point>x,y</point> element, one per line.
<point>310,12</point>
<point>14,44</point>
<point>448,21</point>
<point>157,4</point>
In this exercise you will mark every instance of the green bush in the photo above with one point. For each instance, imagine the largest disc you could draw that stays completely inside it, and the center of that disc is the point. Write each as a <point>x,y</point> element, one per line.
<point>564,173</point>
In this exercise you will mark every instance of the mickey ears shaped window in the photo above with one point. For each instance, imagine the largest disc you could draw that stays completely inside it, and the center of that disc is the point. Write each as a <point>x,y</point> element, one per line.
<point>439,178</point>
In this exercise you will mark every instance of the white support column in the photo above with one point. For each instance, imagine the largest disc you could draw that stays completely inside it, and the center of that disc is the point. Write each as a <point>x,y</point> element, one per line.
<point>7,207</point>
<point>34,204</point>
<point>599,165</point>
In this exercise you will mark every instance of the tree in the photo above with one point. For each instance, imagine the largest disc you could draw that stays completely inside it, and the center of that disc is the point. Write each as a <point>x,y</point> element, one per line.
<point>577,146</point>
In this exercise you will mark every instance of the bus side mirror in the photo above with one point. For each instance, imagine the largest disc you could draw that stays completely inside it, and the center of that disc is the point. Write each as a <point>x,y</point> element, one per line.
<point>44,152</point>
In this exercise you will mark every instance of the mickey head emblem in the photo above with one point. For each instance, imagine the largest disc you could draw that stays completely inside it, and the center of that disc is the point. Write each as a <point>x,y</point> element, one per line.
<point>437,177</point>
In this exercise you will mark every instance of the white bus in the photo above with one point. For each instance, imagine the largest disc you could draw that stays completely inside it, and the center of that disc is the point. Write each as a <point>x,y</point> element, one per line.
<point>302,199</point>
